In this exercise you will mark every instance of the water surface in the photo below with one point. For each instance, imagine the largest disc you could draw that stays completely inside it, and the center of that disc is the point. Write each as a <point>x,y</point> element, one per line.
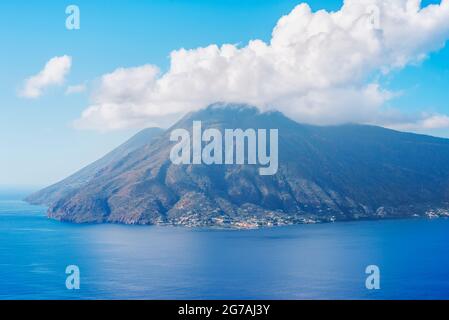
<point>325,261</point>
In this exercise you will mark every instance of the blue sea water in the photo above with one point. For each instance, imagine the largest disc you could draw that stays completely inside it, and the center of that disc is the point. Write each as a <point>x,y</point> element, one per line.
<point>324,261</point>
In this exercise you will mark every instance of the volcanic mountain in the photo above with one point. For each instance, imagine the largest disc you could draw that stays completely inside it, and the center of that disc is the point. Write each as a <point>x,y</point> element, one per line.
<point>326,173</point>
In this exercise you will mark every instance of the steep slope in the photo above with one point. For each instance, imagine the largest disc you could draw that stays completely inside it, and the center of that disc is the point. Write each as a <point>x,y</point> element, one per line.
<point>325,174</point>
<point>49,195</point>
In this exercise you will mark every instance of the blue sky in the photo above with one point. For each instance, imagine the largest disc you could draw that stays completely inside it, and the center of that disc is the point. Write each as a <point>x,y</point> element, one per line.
<point>40,145</point>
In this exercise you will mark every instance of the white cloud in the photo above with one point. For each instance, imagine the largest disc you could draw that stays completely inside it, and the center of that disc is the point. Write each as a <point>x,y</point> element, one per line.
<point>316,68</point>
<point>54,73</point>
<point>78,88</point>
<point>422,123</point>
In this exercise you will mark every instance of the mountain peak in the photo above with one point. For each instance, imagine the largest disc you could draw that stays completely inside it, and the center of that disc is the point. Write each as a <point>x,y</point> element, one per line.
<point>236,115</point>
<point>325,174</point>
<point>232,106</point>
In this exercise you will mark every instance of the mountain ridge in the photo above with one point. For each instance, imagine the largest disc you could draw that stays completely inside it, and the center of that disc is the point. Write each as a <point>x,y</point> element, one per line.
<point>76,180</point>
<point>326,173</point>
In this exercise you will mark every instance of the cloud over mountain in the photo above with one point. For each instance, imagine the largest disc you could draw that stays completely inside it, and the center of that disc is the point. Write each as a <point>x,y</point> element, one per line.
<point>54,73</point>
<point>318,68</point>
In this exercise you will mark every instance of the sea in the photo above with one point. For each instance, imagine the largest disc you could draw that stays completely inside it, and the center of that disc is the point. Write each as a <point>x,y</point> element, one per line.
<point>315,261</point>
